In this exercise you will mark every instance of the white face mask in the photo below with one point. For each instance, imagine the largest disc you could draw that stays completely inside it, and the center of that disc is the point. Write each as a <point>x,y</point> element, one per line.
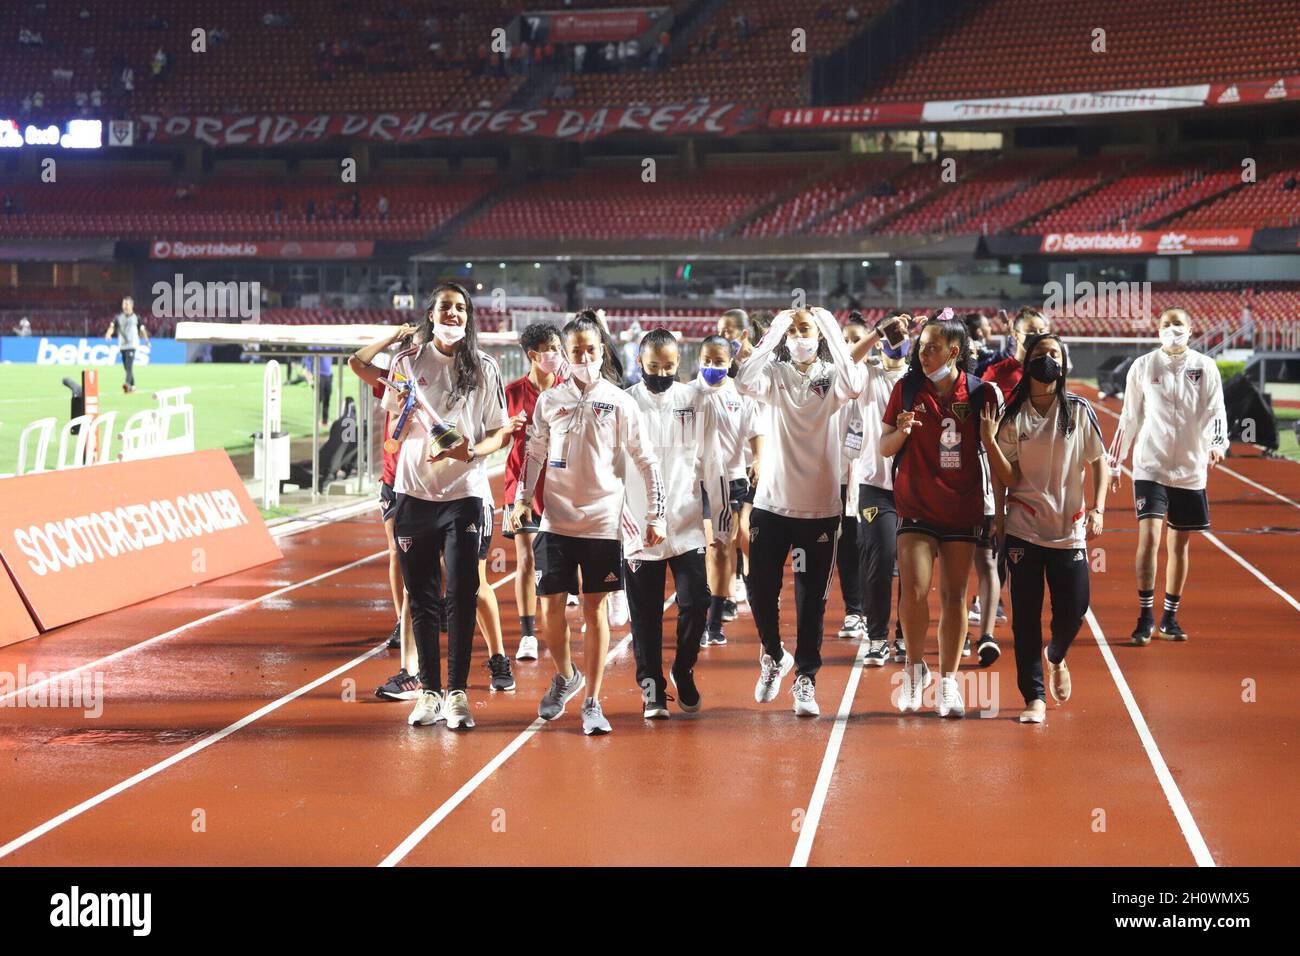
<point>1175,336</point>
<point>549,362</point>
<point>939,374</point>
<point>802,350</point>
<point>587,372</point>
<point>449,334</point>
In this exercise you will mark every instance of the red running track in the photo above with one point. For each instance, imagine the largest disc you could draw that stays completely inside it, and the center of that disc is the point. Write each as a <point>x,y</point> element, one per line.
<point>253,737</point>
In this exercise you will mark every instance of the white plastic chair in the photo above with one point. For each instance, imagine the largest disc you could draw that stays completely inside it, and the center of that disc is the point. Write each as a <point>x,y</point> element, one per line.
<point>86,426</point>
<point>103,432</point>
<point>139,436</point>
<point>44,427</point>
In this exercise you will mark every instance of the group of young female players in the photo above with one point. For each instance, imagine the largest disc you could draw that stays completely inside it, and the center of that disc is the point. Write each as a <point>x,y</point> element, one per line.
<point>795,442</point>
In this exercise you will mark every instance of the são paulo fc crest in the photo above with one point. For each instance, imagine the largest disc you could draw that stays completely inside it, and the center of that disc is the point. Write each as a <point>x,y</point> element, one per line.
<point>404,544</point>
<point>821,386</point>
<point>603,411</point>
<point>1194,376</point>
<point>869,514</point>
<point>961,410</point>
<point>1141,503</point>
<point>1015,554</point>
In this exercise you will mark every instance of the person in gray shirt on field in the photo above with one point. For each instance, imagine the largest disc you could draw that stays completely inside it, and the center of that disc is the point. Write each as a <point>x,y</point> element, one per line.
<point>129,329</point>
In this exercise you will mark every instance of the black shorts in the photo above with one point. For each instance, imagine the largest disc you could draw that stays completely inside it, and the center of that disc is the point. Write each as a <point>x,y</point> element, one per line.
<point>1184,509</point>
<point>532,526</point>
<point>739,492</point>
<point>558,558</point>
<point>913,526</point>
<point>387,501</point>
<point>985,540</point>
<point>485,531</point>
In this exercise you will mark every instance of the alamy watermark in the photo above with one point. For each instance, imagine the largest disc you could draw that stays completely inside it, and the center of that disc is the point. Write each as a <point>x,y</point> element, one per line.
<point>179,299</point>
<point>82,690</point>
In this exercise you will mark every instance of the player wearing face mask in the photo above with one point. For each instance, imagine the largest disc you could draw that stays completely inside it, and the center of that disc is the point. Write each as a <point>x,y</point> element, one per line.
<point>581,430</point>
<point>679,422</point>
<point>740,437</point>
<point>805,377</point>
<point>1176,426</point>
<point>541,343</point>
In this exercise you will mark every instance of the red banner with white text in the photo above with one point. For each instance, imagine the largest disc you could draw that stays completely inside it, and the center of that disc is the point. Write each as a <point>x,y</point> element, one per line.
<point>577,123</point>
<point>1168,242</point>
<point>82,541</point>
<point>260,249</point>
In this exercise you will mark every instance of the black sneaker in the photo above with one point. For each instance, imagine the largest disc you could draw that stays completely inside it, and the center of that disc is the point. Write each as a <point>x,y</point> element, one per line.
<point>877,654</point>
<point>401,686</point>
<point>900,651</point>
<point>657,707</point>
<point>728,610</point>
<point>1170,630</point>
<point>1141,636</point>
<point>988,650</point>
<point>688,695</point>
<point>395,639</point>
<point>716,637</point>
<point>965,647</point>
<point>502,679</point>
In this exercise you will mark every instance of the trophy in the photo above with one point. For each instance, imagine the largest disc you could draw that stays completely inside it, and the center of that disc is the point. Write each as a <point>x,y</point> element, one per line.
<point>442,435</point>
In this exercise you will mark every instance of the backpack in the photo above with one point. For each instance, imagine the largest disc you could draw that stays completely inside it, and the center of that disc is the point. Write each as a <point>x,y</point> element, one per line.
<point>912,386</point>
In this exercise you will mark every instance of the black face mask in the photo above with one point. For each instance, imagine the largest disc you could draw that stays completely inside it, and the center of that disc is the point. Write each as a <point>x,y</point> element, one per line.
<point>1045,369</point>
<point>658,384</point>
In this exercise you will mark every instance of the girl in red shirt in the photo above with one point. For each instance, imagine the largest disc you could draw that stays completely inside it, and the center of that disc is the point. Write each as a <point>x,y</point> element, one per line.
<point>931,428</point>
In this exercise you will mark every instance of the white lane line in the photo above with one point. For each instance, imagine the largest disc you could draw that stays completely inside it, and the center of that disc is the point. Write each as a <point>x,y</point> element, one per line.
<point>196,747</point>
<point>1186,823</point>
<point>808,830</point>
<point>1213,539</point>
<point>207,618</point>
<point>1096,403</point>
<point>403,849</point>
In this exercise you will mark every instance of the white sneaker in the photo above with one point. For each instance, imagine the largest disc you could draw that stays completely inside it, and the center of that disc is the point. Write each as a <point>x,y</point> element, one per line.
<point>456,710</point>
<point>770,676</point>
<point>973,615</point>
<point>949,700</point>
<point>916,678</point>
<point>428,710</point>
<point>617,609</point>
<point>593,718</point>
<point>854,626</point>
<point>527,649</point>
<point>805,701</point>
<point>738,592</point>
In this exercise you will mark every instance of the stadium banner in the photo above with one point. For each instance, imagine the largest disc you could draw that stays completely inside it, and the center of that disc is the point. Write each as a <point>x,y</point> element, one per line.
<point>82,352</point>
<point>845,117</point>
<point>16,622</point>
<point>1169,242</point>
<point>82,541</point>
<point>577,123</point>
<point>261,249</point>
<point>1085,103</point>
<point>592,26</point>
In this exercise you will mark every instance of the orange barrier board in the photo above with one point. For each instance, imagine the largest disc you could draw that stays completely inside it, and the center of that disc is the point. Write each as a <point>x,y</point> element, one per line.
<point>82,541</point>
<point>15,623</point>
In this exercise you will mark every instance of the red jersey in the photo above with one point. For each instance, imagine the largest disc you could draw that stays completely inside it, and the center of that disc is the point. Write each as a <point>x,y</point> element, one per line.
<point>521,396</point>
<point>1005,375</point>
<point>940,478</point>
<point>390,457</point>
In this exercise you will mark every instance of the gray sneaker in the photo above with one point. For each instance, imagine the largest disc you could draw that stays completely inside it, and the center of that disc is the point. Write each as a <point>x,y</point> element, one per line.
<point>593,718</point>
<point>560,693</point>
<point>456,710</point>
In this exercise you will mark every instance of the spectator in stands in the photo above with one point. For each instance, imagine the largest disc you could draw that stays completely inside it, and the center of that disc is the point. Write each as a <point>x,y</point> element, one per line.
<point>127,79</point>
<point>25,108</point>
<point>851,15</point>
<point>382,208</point>
<point>741,22</point>
<point>10,206</point>
<point>24,328</point>
<point>159,63</point>
<point>277,210</point>
<point>356,204</point>
<point>579,57</point>
<point>310,210</point>
<point>1006,374</point>
<point>96,98</point>
<point>332,211</point>
<point>1290,183</point>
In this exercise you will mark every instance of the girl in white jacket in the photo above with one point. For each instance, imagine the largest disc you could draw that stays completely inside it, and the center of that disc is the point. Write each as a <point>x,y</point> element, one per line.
<point>680,424</point>
<point>1175,424</point>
